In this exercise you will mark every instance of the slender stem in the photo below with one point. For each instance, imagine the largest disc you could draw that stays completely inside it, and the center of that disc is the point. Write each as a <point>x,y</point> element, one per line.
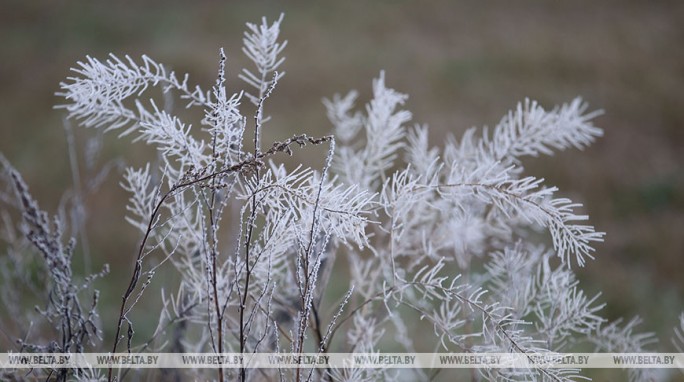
<point>248,273</point>
<point>250,230</point>
<point>78,196</point>
<point>212,236</point>
<point>309,285</point>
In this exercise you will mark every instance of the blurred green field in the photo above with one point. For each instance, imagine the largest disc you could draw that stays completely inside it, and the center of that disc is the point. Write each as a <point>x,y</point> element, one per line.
<point>462,63</point>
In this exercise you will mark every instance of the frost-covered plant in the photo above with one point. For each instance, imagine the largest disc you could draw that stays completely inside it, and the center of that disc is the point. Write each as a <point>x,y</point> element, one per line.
<point>39,261</point>
<point>440,234</point>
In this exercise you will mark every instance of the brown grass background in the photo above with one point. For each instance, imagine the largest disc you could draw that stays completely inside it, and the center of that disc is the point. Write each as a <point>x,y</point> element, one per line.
<point>463,64</point>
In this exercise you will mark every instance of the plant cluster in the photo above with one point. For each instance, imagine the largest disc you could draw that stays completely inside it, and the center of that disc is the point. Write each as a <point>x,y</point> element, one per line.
<point>387,233</point>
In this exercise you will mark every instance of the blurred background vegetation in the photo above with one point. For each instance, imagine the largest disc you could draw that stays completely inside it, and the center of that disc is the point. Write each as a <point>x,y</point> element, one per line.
<point>462,63</point>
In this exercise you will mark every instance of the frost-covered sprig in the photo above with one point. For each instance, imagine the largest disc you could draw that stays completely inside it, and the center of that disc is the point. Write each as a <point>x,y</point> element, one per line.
<point>171,136</point>
<point>616,337</point>
<point>346,122</point>
<point>423,160</point>
<point>522,277</point>
<point>526,198</point>
<point>98,93</point>
<point>142,199</point>
<point>16,260</point>
<point>261,46</point>
<point>510,275</point>
<point>529,130</point>
<point>225,122</point>
<point>343,206</point>
<point>561,308</point>
<point>384,132</point>
<point>619,338</point>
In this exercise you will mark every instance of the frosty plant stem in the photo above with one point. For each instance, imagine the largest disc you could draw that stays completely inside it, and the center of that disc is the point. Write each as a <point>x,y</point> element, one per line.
<point>258,119</point>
